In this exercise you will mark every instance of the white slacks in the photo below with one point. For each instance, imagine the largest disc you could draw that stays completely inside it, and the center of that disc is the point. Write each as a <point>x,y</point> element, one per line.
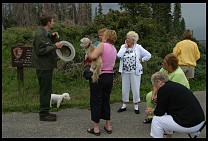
<point>166,124</point>
<point>133,81</point>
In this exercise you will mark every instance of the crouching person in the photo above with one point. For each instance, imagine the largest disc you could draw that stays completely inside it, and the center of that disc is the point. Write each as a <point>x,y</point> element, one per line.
<point>177,108</point>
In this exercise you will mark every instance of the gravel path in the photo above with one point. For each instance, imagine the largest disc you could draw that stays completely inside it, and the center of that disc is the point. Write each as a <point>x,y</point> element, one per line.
<point>74,122</point>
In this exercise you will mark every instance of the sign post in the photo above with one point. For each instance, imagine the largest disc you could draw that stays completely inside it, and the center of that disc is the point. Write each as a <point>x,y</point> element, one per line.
<point>20,75</point>
<point>21,57</point>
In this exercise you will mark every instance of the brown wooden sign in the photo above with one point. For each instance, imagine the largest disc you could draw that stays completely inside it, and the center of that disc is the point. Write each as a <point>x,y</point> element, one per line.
<point>21,56</point>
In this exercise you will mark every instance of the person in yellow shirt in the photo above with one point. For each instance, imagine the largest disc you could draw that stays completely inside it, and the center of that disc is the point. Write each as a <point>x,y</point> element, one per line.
<point>187,53</point>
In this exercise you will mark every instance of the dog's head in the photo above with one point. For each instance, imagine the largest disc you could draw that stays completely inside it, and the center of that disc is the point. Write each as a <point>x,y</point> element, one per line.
<point>66,96</point>
<point>85,43</point>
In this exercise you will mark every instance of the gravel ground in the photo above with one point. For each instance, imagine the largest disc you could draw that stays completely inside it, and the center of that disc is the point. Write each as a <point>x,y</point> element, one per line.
<point>74,122</point>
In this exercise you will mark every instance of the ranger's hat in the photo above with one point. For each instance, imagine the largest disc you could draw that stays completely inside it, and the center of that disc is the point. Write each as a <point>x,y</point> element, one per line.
<point>67,52</point>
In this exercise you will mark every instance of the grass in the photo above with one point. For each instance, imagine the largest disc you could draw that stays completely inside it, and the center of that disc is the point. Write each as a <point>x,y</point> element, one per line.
<point>25,98</point>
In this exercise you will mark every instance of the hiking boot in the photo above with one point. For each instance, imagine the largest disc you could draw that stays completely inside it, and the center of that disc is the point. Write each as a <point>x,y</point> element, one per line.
<point>53,115</point>
<point>48,117</point>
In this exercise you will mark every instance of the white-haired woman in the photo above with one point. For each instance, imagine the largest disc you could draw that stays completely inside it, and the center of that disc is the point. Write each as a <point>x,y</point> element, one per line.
<point>177,108</point>
<point>131,56</point>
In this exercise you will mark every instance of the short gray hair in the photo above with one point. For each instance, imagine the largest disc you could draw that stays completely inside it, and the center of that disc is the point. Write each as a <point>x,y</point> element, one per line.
<point>159,76</point>
<point>133,35</point>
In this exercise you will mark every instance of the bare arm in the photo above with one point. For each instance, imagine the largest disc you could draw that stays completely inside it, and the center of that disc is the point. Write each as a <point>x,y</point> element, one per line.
<point>154,93</point>
<point>97,52</point>
<point>149,111</point>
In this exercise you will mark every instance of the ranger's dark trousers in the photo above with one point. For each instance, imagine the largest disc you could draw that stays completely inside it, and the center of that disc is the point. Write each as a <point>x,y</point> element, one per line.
<point>45,83</point>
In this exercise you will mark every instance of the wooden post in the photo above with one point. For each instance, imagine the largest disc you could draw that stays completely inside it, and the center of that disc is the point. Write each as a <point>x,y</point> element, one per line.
<point>20,76</point>
<point>21,57</point>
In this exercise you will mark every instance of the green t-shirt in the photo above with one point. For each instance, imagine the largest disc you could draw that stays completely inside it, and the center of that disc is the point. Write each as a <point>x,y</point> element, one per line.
<point>177,76</point>
<point>96,43</point>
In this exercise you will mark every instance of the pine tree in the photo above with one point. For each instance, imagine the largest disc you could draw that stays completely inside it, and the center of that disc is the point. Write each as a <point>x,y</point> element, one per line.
<point>137,9</point>
<point>100,9</point>
<point>177,19</point>
<point>161,12</point>
<point>168,17</point>
<point>2,27</point>
<point>96,12</point>
<point>74,13</point>
<point>183,25</point>
<point>89,7</point>
<point>83,17</point>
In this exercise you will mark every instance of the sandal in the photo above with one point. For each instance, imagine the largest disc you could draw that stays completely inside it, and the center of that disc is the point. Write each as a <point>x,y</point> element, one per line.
<point>108,131</point>
<point>91,131</point>
<point>147,120</point>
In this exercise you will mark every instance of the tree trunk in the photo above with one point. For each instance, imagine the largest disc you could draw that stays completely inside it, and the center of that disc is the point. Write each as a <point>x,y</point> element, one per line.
<point>2,27</point>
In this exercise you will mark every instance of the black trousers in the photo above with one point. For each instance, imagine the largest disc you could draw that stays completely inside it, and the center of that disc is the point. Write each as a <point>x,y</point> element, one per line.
<point>100,97</point>
<point>45,83</point>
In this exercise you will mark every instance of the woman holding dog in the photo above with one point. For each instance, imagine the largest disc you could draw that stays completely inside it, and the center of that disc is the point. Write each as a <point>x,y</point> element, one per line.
<point>100,91</point>
<point>131,57</point>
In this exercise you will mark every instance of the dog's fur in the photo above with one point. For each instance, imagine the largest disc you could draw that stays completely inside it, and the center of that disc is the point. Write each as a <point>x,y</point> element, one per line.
<point>59,98</point>
<point>96,65</point>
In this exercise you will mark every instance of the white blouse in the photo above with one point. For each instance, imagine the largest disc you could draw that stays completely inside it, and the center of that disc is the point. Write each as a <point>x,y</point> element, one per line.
<point>140,53</point>
<point>129,61</point>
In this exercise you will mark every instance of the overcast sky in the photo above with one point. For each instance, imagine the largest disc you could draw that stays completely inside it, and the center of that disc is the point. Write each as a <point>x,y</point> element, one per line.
<point>193,13</point>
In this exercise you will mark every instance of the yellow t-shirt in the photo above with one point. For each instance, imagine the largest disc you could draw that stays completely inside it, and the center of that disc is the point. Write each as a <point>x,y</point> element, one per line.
<point>187,52</point>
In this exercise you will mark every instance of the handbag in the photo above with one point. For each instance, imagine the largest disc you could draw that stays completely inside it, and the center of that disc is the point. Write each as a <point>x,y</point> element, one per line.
<point>87,74</point>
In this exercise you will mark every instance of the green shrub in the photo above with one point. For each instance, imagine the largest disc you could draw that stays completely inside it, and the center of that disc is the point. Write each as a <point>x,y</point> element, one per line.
<point>68,76</point>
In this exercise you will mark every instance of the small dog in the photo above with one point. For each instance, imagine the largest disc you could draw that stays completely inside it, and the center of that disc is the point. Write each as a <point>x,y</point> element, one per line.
<point>96,65</point>
<point>59,98</point>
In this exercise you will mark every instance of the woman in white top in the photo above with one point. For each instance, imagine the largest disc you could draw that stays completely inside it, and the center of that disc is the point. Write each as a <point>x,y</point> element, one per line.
<point>131,56</point>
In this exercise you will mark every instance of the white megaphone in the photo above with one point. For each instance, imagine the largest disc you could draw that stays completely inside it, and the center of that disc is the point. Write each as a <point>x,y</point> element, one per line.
<point>67,52</point>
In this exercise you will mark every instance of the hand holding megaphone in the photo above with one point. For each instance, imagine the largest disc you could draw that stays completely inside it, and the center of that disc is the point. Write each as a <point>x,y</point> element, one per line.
<point>65,50</point>
<point>58,45</point>
<point>55,34</point>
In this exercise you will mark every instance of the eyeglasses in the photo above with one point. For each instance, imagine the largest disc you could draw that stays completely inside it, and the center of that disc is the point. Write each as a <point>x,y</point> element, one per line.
<point>164,62</point>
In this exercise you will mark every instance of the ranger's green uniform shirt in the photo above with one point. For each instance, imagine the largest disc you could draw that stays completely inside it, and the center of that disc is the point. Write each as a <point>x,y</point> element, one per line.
<point>43,54</point>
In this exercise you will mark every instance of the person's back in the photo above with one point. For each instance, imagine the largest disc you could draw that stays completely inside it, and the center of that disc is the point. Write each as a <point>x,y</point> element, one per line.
<point>179,102</point>
<point>187,52</point>
<point>100,92</point>
<point>177,110</point>
<point>108,57</point>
